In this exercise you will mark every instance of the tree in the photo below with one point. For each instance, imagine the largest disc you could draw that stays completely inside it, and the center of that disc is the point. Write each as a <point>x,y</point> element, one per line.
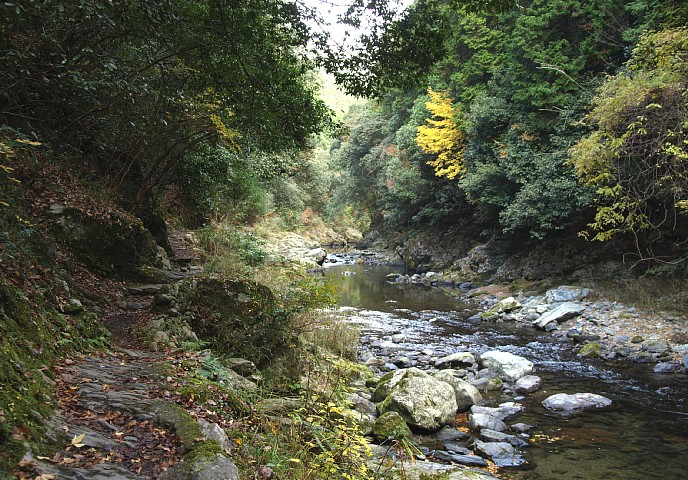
<point>441,136</point>
<point>637,155</point>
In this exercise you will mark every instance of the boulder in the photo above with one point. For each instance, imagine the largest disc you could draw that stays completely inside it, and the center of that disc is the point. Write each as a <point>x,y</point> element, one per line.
<point>528,384</point>
<point>506,366</point>
<point>424,402</point>
<point>573,403</point>
<point>657,346</point>
<point>456,360</point>
<point>462,459</point>
<point>390,380</point>
<point>563,312</point>
<point>111,243</point>
<point>466,394</point>
<point>667,367</point>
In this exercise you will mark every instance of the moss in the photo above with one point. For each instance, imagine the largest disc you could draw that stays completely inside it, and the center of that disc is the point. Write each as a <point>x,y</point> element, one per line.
<point>32,336</point>
<point>174,417</point>
<point>205,450</point>
<point>590,349</point>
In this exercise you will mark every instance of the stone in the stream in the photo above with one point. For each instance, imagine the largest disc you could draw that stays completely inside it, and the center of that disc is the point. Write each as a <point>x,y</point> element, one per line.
<point>506,365</point>
<point>577,402</point>
<point>684,361</point>
<point>508,304</point>
<point>521,427</point>
<point>560,314</point>
<point>479,421</point>
<point>591,349</point>
<point>487,435</point>
<point>468,460</point>
<point>424,402</point>
<point>503,412</point>
<point>528,384</point>
<point>667,367</point>
<point>490,384</point>
<point>466,394</point>
<point>449,434</point>
<point>391,426</point>
<point>501,453</point>
<point>456,360</point>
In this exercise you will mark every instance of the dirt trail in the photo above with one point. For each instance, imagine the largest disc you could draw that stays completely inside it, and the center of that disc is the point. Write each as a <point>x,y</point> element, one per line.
<point>111,409</point>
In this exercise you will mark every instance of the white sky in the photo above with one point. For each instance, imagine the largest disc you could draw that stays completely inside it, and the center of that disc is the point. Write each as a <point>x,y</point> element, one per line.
<point>330,9</point>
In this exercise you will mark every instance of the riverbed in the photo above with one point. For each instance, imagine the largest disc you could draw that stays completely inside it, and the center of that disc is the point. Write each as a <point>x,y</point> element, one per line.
<point>643,435</point>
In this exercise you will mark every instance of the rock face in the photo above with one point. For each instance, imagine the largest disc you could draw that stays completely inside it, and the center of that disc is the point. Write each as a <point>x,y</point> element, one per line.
<point>560,314</point>
<point>577,402</point>
<point>506,365</point>
<point>424,402</point>
<point>116,244</point>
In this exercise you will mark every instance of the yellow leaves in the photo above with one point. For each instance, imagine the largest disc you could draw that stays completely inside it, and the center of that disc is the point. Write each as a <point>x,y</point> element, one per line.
<point>442,136</point>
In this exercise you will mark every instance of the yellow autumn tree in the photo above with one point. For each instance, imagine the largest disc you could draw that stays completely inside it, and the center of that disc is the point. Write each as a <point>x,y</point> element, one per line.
<point>442,136</point>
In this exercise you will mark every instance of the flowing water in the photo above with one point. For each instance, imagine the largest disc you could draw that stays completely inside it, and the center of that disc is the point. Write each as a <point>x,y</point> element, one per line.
<point>643,435</point>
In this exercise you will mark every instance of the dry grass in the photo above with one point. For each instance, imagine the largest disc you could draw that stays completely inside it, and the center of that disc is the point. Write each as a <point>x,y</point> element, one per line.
<point>647,293</point>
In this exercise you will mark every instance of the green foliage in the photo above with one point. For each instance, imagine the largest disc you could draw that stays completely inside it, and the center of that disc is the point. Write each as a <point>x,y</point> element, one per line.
<point>134,86</point>
<point>636,157</point>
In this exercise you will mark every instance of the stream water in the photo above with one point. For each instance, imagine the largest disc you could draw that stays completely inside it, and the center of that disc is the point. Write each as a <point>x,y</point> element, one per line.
<point>643,435</point>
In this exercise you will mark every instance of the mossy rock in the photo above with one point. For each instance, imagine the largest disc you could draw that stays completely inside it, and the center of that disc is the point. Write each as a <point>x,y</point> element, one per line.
<point>391,426</point>
<point>240,319</point>
<point>590,349</point>
<point>115,243</point>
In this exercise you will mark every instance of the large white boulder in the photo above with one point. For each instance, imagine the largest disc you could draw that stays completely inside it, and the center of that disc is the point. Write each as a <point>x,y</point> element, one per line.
<point>423,401</point>
<point>505,365</point>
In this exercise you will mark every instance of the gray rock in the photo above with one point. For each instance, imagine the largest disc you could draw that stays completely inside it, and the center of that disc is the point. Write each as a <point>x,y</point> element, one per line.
<point>566,293</point>
<point>560,314</point>
<point>466,394</point>
<point>656,346</point>
<point>667,367</point>
<point>503,412</point>
<point>506,365</point>
<point>521,427</point>
<point>480,421</point>
<point>449,434</point>
<point>528,384</point>
<point>508,304</point>
<point>468,460</point>
<point>577,402</point>
<point>456,360</point>
<point>684,361</point>
<point>487,435</point>
<point>501,453</point>
<point>213,431</point>
<point>243,367</point>
<point>423,401</point>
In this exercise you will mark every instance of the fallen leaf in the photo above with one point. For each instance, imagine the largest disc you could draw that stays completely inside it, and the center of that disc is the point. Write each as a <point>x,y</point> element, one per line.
<point>76,441</point>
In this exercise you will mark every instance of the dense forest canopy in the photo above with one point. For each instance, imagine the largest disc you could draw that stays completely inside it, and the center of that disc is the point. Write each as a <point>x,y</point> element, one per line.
<point>530,117</point>
<point>533,118</point>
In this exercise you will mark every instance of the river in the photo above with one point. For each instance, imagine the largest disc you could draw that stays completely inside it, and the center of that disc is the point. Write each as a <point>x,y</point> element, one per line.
<point>643,435</point>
